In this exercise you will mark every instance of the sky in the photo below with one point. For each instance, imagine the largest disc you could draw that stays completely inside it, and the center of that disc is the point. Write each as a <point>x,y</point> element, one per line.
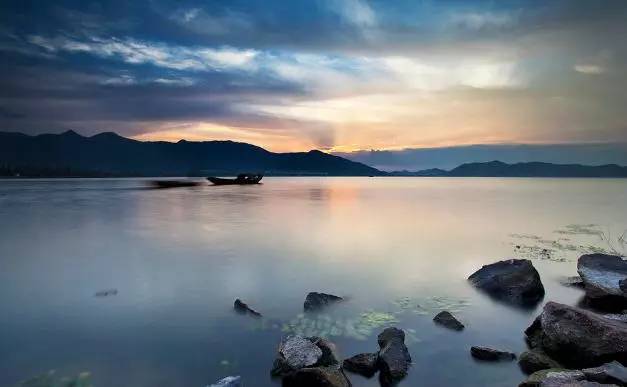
<point>336,75</point>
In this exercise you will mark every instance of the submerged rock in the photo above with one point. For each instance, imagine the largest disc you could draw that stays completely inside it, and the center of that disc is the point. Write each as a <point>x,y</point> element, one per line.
<point>534,360</point>
<point>295,352</point>
<point>315,301</point>
<point>364,364</point>
<point>106,293</point>
<point>574,281</point>
<point>447,320</point>
<point>613,372</point>
<point>394,358</point>
<point>515,281</point>
<point>229,381</point>
<point>243,308</point>
<point>490,354</point>
<point>604,279</point>
<point>578,338</point>
<point>317,377</point>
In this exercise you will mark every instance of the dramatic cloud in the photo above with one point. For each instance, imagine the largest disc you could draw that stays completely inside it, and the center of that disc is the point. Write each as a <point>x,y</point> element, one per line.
<point>333,74</point>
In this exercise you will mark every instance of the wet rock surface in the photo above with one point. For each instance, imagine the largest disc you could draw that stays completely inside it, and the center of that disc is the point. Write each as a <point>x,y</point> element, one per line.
<point>578,338</point>
<point>394,358</point>
<point>604,279</point>
<point>315,301</point>
<point>613,372</point>
<point>242,308</point>
<point>446,319</point>
<point>295,352</point>
<point>515,281</point>
<point>364,364</point>
<point>490,354</point>
<point>532,361</point>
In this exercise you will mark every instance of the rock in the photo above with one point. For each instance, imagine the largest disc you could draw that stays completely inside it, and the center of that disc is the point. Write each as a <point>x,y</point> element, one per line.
<point>295,352</point>
<point>363,364</point>
<point>537,377</point>
<point>447,320</point>
<point>532,361</point>
<point>315,301</point>
<point>552,375</point>
<point>613,372</point>
<point>578,338</point>
<point>229,381</point>
<point>243,308</point>
<point>603,275</point>
<point>106,293</point>
<point>394,358</point>
<point>489,354</point>
<point>574,281</point>
<point>515,281</point>
<point>620,317</point>
<point>329,351</point>
<point>317,377</point>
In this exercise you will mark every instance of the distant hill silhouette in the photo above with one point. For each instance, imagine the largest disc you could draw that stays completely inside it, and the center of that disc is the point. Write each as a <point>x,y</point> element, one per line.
<point>108,154</point>
<point>531,169</point>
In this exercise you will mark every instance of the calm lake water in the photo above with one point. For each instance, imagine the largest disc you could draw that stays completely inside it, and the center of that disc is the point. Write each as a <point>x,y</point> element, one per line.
<point>399,249</point>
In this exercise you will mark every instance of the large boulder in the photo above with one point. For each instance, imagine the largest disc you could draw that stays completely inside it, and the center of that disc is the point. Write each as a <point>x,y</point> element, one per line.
<point>603,276</point>
<point>578,338</point>
<point>315,301</point>
<point>317,377</point>
<point>364,364</point>
<point>535,360</point>
<point>229,381</point>
<point>295,352</point>
<point>394,358</point>
<point>515,281</point>
<point>490,354</point>
<point>552,376</point>
<point>447,320</point>
<point>613,372</point>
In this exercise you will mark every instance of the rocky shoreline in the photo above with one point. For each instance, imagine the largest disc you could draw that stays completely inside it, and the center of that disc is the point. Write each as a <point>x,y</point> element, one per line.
<point>568,346</point>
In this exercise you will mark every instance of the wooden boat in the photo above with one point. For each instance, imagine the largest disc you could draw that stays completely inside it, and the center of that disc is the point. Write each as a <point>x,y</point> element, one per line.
<point>174,183</point>
<point>244,178</point>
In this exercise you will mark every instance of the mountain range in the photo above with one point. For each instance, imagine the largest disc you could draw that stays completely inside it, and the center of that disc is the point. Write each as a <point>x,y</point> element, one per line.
<point>530,169</point>
<point>108,154</point>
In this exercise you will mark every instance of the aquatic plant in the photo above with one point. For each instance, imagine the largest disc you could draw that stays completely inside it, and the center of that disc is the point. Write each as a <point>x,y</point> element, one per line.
<point>359,328</point>
<point>50,380</point>
<point>564,249</point>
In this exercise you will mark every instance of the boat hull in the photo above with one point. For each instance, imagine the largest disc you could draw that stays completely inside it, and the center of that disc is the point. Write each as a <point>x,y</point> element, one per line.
<point>249,180</point>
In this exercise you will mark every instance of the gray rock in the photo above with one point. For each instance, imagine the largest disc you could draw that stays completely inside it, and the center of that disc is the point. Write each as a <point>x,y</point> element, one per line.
<point>229,381</point>
<point>537,377</point>
<point>490,354</point>
<point>316,301</point>
<point>295,352</point>
<point>317,377</point>
<point>449,321</point>
<point>515,281</point>
<point>603,275</point>
<point>394,358</point>
<point>243,308</point>
<point>532,361</point>
<point>613,372</point>
<point>363,364</point>
<point>578,338</point>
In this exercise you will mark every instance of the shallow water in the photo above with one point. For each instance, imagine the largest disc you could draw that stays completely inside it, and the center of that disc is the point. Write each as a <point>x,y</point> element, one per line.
<point>399,249</point>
